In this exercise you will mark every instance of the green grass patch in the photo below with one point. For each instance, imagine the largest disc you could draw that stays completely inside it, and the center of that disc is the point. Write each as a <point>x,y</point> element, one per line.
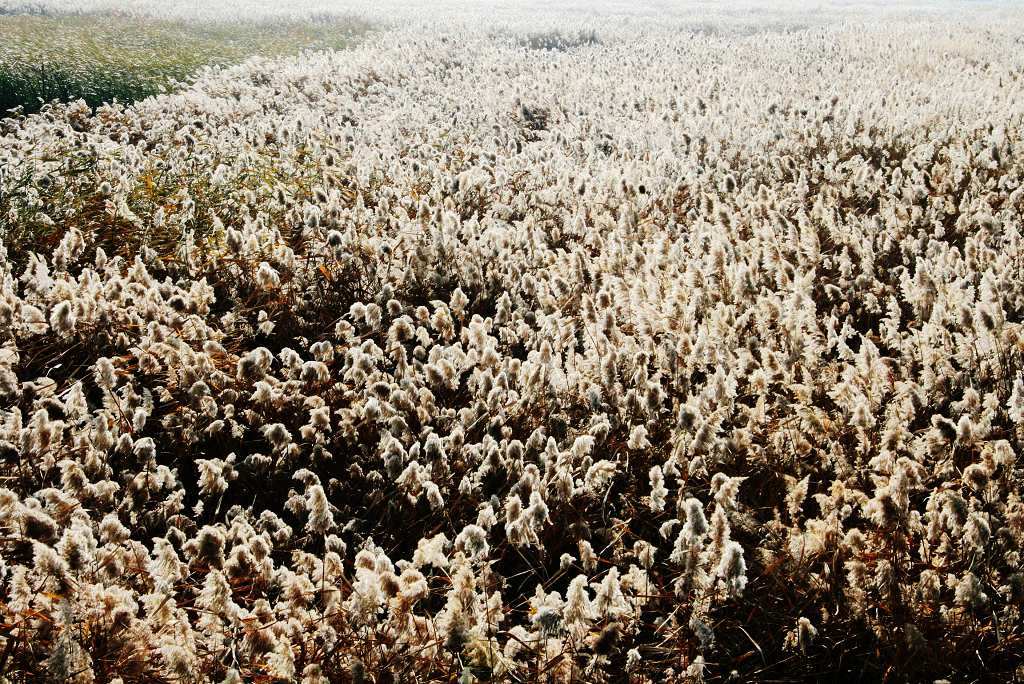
<point>101,58</point>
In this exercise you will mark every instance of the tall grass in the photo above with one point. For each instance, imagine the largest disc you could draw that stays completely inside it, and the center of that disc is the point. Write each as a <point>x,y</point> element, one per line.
<point>102,58</point>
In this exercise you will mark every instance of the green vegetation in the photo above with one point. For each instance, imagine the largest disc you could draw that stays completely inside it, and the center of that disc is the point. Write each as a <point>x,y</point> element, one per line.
<point>101,58</point>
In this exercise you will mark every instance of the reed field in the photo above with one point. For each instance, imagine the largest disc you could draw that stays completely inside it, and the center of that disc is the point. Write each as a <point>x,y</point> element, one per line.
<point>511,342</point>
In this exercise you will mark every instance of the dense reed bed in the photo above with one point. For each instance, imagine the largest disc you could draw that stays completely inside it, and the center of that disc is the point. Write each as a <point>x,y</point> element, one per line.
<point>627,353</point>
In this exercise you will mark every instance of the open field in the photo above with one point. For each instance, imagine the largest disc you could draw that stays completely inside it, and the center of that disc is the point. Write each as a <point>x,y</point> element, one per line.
<point>633,344</point>
<point>105,57</point>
